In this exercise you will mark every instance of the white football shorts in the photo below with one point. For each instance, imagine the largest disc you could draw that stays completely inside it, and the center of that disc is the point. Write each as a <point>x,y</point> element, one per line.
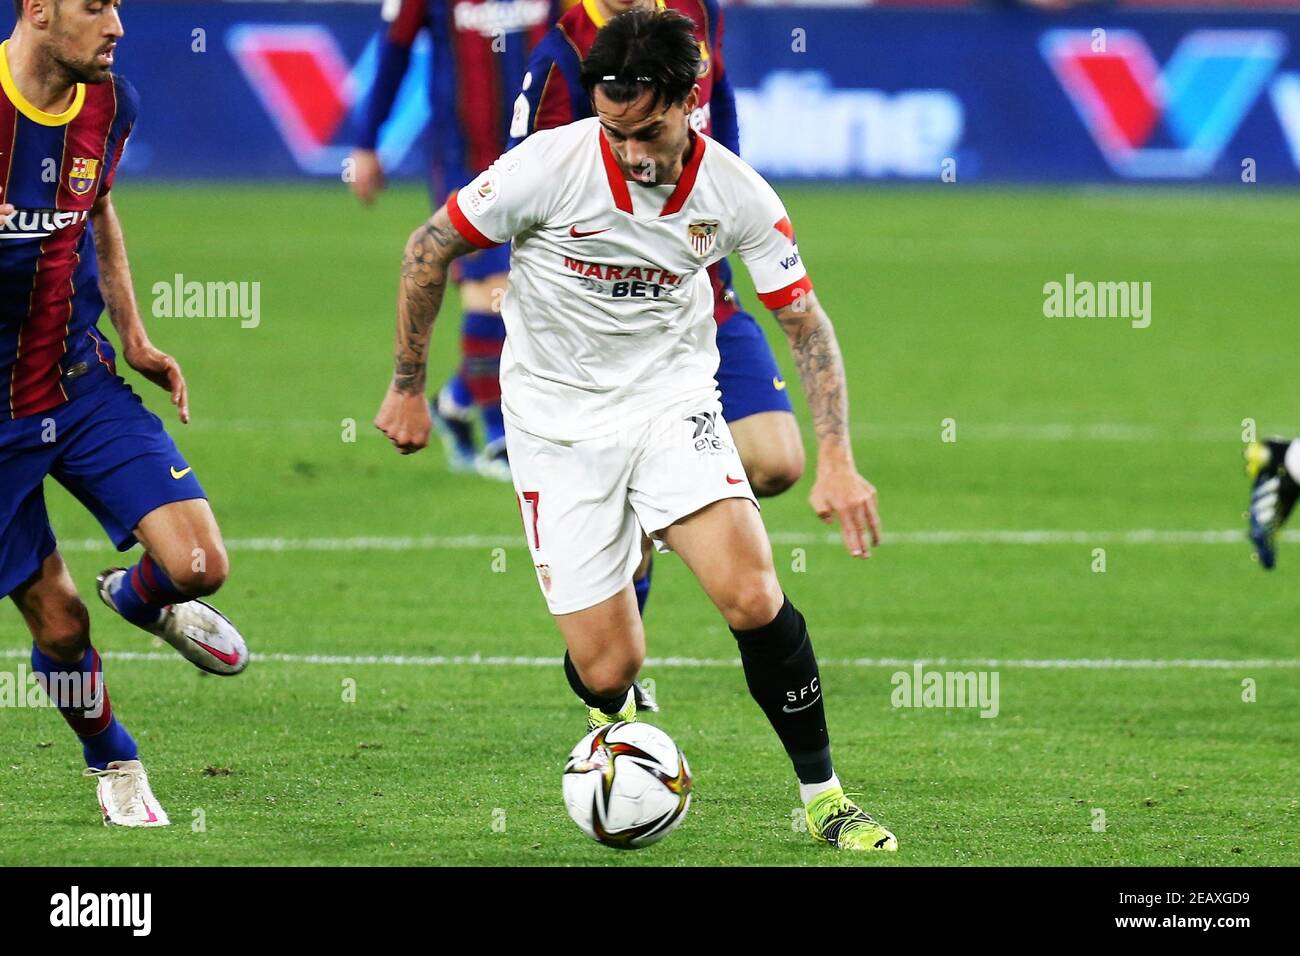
<point>586,503</point>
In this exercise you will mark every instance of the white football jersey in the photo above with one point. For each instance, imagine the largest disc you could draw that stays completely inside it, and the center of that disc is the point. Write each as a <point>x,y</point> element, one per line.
<point>609,311</point>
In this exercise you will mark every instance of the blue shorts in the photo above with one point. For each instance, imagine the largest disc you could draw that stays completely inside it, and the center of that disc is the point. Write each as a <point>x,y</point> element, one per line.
<point>748,377</point>
<point>108,450</point>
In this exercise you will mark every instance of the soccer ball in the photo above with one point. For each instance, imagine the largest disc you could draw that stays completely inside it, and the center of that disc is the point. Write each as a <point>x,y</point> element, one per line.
<point>627,785</point>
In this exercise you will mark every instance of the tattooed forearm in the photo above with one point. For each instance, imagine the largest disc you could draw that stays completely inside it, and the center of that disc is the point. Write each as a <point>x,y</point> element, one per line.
<point>821,369</point>
<point>425,267</point>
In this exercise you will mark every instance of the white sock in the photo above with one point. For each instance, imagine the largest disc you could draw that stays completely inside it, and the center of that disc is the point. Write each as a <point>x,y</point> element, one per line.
<point>807,791</point>
<point>1292,460</point>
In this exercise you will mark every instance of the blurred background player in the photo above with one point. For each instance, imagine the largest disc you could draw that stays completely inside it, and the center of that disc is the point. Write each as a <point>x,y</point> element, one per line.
<point>65,413</point>
<point>480,48</point>
<point>754,399</point>
<point>1272,467</point>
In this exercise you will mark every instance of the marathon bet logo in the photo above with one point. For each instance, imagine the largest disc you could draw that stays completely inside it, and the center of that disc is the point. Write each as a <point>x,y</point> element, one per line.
<point>74,909</point>
<point>922,688</point>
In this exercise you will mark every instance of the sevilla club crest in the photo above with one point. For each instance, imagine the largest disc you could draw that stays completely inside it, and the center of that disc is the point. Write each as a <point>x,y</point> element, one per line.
<point>703,235</point>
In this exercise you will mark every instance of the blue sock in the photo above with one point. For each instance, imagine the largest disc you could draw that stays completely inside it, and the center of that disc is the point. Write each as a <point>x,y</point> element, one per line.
<point>144,591</point>
<point>642,588</point>
<point>494,426</point>
<point>459,390</point>
<point>103,739</point>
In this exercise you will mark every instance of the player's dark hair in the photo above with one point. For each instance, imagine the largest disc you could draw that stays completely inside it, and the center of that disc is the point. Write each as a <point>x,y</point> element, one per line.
<point>18,9</point>
<point>642,50</point>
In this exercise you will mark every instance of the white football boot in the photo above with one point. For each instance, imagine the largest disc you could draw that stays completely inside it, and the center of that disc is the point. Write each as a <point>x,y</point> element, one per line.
<point>493,461</point>
<point>125,797</point>
<point>200,632</point>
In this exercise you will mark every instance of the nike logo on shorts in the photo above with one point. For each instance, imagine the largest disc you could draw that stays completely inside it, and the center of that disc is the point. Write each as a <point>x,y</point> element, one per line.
<point>778,383</point>
<point>735,481</point>
<point>178,475</point>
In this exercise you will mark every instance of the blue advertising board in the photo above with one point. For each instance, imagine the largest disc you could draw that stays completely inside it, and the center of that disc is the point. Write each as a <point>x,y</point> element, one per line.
<point>254,90</point>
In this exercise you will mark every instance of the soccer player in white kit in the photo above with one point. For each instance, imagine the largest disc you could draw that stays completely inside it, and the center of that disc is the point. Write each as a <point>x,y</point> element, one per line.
<point>612,413</point>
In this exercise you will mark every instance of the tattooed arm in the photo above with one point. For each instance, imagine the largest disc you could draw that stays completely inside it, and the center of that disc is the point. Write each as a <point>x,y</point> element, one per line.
<point>839,490</point>
<point>404,415</point>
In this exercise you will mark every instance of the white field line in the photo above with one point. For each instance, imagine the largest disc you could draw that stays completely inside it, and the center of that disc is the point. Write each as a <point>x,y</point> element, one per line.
<point>481,660</point>
<point>473,542</point>
<point>972,429</point>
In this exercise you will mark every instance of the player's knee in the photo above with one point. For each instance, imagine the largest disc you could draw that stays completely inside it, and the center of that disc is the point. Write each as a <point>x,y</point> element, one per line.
<point>62,629</point>
<point>777,474</point>
<point>612,675</point>
<point>204,574</point>
<point>752,601</point>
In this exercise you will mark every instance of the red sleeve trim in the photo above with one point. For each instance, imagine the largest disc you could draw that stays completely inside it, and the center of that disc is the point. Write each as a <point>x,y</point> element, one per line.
<point>465,227</point>
<point>783,297</point>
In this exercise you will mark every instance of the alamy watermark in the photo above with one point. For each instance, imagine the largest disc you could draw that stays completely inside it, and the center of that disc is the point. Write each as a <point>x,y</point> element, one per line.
<point>1084,299</point>
<point>80,691</point>
<point>182,299</point>
<point>945,689</point>
<point>75,908</point>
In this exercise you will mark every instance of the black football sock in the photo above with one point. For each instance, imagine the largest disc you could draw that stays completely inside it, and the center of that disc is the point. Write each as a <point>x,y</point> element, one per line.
<point>781,671</point>
<point>610,705</point>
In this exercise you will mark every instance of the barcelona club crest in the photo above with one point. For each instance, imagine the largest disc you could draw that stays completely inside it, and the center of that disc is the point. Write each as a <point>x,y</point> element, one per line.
<point>84,173</point>
<point>703,235</point>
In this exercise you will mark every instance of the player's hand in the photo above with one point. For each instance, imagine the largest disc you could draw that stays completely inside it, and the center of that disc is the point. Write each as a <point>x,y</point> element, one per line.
<point>367,175</point>
<point>6,210</point>
<point>405,419</point>
<point>840,492</point>
<point>165,372</point>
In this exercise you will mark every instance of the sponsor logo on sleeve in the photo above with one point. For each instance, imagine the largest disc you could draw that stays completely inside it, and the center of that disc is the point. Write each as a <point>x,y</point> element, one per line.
<point>481,194</point>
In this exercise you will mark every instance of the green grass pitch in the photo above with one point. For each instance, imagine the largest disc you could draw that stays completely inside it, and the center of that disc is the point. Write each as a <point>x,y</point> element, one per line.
<point>1089,429</point>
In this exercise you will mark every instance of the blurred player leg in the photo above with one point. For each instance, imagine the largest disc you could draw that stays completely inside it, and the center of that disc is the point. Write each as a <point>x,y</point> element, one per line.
<point>452,409</point>
<point>476,383</point>
<point>484,336</point>
<point>70,669</point>
<point>1273,467</point>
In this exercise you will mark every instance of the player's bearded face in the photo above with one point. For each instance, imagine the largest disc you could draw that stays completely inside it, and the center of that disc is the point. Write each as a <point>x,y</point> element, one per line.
<point>83,36</point>
<point>648,139</point>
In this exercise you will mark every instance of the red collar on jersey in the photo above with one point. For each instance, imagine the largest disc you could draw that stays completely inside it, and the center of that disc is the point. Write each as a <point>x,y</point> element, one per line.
<point>685,182</point>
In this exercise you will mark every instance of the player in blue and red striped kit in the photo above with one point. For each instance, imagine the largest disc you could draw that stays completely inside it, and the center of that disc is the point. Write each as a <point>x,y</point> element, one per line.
<point>754,400</point>
<point>65,413</point>
<point>480,48</point>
